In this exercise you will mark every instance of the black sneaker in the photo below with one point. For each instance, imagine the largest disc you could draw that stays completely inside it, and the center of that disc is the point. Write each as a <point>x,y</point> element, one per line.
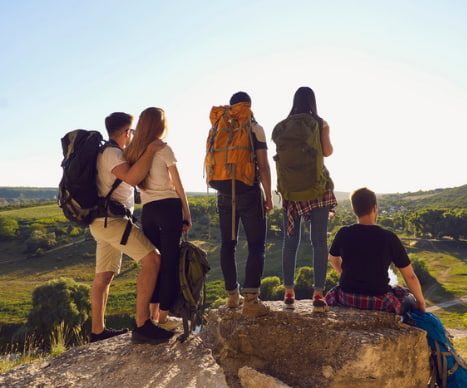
<point>107,333</point>
<point>150,334</point>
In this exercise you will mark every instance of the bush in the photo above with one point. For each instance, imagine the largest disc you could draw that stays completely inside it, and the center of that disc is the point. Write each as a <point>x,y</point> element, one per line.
<point>39,240</point>
<point>420,269</point>
<point>36,227</point>
<point>271,288</point>
<point>59,311</point>
<point>76,231</point>
<point>332,279</point>
<point>8,228</point>
<point>304,283</point>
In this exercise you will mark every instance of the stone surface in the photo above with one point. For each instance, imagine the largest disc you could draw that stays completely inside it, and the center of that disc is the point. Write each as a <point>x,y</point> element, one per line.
<point>339,349</point>
<point>342,348</point>
<point>117,363</point>
<point>250,378</point>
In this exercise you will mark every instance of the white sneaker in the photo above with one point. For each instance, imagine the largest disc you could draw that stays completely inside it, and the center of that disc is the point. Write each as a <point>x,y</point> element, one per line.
<point>171,324</point>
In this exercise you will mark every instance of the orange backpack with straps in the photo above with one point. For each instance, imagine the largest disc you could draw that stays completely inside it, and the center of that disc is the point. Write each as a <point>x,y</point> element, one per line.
<point>229,147</point>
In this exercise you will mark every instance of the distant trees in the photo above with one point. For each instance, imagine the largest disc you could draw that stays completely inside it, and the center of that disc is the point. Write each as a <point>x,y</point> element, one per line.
<point>437,223</point>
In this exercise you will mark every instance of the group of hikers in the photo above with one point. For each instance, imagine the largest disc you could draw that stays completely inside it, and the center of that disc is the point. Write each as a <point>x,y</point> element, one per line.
<point>239,171</point>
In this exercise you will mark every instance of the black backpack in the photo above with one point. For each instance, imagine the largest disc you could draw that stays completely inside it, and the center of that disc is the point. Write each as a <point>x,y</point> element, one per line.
<point>191,299</point>
<point>77,191</point>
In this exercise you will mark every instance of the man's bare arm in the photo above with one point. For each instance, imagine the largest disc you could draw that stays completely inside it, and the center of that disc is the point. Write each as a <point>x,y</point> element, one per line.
<point>336,262</point>
<point>414,286</point>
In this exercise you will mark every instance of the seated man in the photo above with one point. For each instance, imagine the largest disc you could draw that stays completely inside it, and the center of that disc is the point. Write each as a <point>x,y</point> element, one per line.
<point>361,254</point>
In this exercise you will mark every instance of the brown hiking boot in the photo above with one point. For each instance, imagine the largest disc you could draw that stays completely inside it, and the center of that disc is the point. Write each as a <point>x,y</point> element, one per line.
<point>234,299</point>
<point>253,307</point>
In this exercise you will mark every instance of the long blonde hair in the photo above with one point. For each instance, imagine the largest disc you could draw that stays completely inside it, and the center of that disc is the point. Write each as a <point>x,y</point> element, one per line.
<point>151,125</point>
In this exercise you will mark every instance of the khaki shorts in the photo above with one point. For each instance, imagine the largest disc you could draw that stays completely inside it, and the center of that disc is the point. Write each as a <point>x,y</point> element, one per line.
<point>109,251</point>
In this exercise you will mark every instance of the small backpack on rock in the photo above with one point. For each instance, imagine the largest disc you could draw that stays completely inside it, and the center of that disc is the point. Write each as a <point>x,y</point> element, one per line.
<point>190,302</point>
<point>448,369</point>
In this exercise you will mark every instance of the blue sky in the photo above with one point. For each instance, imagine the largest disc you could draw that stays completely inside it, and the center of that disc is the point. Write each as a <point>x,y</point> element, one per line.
<point>389,78</point>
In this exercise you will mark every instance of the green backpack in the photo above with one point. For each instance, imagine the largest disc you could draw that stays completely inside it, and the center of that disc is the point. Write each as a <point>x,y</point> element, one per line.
<point>191,299</point>
<point>301,174</point>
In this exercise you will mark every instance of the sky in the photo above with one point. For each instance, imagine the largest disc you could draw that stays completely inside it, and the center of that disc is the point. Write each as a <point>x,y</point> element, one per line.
<point>390,78</point>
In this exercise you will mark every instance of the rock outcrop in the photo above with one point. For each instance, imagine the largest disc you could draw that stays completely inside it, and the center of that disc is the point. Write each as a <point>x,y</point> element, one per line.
<point>117,363</point>
<point>342,348</point>
<point>339,349</point>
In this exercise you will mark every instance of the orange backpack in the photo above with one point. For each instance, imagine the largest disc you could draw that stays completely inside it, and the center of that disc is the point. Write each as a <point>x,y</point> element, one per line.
<point>229,147</point>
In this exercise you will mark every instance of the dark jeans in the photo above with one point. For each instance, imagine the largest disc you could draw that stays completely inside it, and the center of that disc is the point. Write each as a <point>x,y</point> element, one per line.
<point>162,224</point>
<point>250,211</point>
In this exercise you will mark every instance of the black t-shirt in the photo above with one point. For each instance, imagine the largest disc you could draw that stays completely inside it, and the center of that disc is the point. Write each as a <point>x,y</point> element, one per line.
<point>366,252</point>
<point>259,142</point>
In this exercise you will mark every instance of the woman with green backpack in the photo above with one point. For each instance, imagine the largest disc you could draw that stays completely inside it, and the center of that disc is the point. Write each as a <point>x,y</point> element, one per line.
<point>302,141</point>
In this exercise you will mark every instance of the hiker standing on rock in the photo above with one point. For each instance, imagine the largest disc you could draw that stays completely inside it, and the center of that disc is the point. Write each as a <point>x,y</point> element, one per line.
<point>166,213</point>
<point>237,167</point>
<point>302,141</point>
<point>109,231</point>
<point>361,255</point>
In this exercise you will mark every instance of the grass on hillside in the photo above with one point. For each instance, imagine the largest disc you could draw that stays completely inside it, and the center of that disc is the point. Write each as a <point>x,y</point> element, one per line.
<point>447,264</point>
<point>31,214</point>
<point>20,275</point>
<point>18,279</point>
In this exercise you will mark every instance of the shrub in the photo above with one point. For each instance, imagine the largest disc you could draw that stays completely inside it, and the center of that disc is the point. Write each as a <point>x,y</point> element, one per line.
<point>8,228</point>
<point>421,270</point>
<point>304,283</point>
<point>271,288</point>
<point>39,240</point>
<point>60,308</point>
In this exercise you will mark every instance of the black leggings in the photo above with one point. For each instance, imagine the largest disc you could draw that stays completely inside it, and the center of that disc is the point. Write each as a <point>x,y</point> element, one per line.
<point>162,224</point>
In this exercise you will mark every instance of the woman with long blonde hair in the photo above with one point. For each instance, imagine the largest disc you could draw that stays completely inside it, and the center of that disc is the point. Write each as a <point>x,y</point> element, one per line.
<point>166,214</point>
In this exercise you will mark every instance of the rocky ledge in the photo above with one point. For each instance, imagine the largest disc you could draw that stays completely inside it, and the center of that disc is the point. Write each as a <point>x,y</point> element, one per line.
<point>341,348</point>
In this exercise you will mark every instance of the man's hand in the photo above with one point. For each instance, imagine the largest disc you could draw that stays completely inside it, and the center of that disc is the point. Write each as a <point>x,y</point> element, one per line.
<point>420,306</point>
<point>156,145</point>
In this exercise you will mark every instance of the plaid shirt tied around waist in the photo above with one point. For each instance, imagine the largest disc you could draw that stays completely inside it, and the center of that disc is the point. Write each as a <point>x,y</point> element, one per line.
<point>294,209</point>
<point>390,302</point>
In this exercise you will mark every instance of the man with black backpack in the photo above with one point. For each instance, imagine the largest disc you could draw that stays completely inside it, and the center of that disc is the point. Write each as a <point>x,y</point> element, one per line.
<point>115,235</point>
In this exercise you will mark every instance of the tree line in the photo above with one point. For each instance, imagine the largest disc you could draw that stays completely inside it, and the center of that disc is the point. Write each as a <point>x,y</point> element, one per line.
<point>37,236</point>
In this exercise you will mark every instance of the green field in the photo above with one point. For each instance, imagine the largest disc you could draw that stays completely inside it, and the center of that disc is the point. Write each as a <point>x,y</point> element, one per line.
<point>21,273</point>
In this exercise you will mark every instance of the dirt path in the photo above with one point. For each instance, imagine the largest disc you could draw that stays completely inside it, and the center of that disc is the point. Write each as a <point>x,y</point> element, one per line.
<point>449,303</point>
<point>455,333</point>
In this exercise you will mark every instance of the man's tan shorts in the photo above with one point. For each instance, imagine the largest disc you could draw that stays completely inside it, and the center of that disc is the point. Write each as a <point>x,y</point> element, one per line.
<point>109,251</point>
